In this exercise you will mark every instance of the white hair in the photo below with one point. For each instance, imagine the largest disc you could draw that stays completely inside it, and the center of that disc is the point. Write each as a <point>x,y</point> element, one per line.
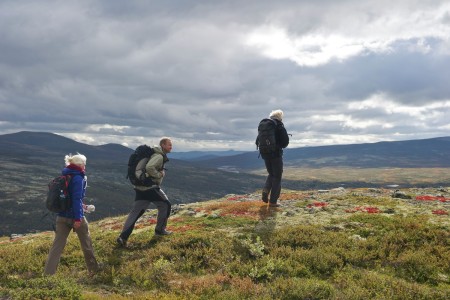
<point>77,159</point>
<point>276,114</point>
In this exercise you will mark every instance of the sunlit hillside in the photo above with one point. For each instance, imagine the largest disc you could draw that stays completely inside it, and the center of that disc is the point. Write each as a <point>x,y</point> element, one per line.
<point>376,176</point>
<point>340,243</point>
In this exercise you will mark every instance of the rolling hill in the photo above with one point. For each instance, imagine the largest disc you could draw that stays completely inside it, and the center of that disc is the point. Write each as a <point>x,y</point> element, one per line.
<point>29,160</point>
<point>425,153</point>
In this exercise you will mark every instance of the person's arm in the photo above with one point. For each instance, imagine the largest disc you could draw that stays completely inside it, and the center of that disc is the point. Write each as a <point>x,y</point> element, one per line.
<point>77,195</point>
<point>154,167</point>
<point>283,137</point>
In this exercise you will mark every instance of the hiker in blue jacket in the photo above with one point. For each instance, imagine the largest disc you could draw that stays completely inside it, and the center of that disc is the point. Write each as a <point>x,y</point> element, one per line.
<point>73,218</point>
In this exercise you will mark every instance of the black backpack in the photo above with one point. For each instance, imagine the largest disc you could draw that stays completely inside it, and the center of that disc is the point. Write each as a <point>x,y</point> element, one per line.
<point>266,141</point>
<point>58,197</point>
<point>136,166</point>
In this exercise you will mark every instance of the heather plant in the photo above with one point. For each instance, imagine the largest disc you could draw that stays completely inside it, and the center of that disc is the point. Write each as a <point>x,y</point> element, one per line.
<point>418,266</point>
<point>44,288</point>
<point>354,283</point>
<point>263,270</point>
<point>255,248</point>
<point>299,288</point>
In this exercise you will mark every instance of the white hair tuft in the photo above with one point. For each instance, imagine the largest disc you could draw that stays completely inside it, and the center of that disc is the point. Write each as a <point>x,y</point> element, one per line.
<point>276,114</point>
<point>77,159</point>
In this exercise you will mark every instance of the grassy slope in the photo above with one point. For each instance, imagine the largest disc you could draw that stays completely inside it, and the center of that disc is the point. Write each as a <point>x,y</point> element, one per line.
<point>381,176</point>
<point>337,244</point>
<point>23,189</point>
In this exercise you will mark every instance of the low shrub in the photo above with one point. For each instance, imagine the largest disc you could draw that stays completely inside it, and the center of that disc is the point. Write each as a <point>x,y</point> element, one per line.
<point>299,288</point>
<point>51,287</point>
<point>255,247</point>
<point>352,283</point>
<point>417,266</point>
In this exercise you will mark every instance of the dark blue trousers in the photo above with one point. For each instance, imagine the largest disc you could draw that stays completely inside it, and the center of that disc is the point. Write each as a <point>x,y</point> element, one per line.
<point>272,186</point>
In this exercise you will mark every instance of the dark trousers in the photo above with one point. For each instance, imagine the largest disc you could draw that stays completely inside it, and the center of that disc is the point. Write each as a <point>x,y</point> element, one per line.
<point>272,186</point>
<point>141,203</point>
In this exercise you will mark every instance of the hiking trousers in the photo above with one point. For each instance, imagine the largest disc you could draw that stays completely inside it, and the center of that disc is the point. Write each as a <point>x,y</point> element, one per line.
<point>141,203</point>
<point>63,228</point>
<point>272,186</point>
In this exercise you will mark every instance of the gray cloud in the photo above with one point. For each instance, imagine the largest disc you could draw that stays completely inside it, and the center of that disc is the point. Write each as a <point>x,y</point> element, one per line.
<point>205,73</point>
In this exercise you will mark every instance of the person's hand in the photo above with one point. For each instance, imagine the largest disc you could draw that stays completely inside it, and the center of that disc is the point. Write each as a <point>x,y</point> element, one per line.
<point>76,224</point>
<point>163,173</point>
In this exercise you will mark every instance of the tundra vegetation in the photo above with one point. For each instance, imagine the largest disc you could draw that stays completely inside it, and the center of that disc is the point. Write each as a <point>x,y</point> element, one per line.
<point>365,243</point>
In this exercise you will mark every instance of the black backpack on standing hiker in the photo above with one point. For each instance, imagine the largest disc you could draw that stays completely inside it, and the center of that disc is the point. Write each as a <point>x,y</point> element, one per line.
<point>58,197</point>
<point>266,141</point>
<point>136,166</point>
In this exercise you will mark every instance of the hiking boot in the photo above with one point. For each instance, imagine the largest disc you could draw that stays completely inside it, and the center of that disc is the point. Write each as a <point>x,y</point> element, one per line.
<point>163,232</point>
<point>121,242</point>
<point>274,205</point>
<point>99,268</point>
<point>265,197</point>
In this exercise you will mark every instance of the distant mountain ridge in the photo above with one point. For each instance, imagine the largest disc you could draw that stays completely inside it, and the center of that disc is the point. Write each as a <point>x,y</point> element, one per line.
<point>204,155</point>
<point>424,153</point>
<point>28,160</point>
<point>48,144</point>
<point>433,152</point>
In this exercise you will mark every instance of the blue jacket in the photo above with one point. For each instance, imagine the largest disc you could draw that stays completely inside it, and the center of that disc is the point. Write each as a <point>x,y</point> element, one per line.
<point>77,191</point>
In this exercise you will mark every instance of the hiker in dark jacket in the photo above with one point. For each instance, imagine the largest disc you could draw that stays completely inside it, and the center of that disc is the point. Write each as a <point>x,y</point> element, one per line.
<point>73,219</point>
<point>274,161</point>
<point>146,194</point>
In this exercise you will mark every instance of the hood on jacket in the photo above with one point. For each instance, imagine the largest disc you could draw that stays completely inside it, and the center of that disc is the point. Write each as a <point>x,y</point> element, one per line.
<point>159,150</point>
<point>70,171</point>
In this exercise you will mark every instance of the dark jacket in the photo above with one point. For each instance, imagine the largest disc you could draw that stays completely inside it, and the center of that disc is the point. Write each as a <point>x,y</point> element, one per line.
<point>282,135</point>
<point>77,191</point>
<point>282,139</point>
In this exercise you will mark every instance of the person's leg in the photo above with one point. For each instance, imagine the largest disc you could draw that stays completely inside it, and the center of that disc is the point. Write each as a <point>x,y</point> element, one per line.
<point>277,172</point>
<point>86,245</point>
<point>138,210</point>
<point>164,206</point>
<point>63,228</point>
<point>268,184</point>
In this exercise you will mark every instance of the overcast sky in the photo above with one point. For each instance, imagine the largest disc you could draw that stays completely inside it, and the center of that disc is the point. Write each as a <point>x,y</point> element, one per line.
<point>206,72</point>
